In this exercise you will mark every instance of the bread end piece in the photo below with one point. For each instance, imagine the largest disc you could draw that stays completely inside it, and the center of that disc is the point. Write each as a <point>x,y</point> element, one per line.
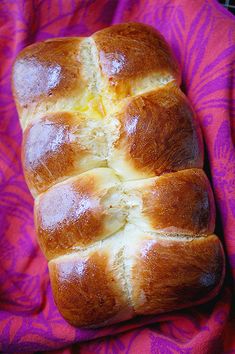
<point>136,273</point>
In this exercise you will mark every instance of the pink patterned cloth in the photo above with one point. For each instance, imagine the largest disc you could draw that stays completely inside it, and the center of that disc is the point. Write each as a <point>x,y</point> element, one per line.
<point>202,35</point>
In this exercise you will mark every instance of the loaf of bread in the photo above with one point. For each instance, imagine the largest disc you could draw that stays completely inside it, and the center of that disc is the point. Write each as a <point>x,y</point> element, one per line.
<point>113,157</point>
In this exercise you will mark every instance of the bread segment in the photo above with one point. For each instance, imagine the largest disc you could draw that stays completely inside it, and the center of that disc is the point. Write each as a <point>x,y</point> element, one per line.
<point>141,141</point>
<point>157,134</point>
<point>90,287</point>
<point>94,205</point>
<point>60,145</point>
<point>78,74</point>
<point>179,203</point>
<point>134,272</point>
<point>79,212</point>
<point>166,274</point>
<point>133,59</point>
<point>45,78</point>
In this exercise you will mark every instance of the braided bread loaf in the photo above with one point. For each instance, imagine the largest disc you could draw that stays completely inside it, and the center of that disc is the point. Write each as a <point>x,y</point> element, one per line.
<point>113,156</point>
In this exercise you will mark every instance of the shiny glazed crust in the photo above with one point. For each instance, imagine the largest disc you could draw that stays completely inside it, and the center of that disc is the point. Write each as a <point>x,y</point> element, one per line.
<point>113,155</point>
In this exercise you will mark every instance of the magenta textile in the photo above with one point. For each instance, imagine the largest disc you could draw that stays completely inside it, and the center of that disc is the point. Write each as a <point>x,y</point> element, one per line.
<point>202,35</point>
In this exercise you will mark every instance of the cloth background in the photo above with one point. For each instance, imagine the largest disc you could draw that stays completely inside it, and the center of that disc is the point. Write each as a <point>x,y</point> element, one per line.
<point>202,35</point>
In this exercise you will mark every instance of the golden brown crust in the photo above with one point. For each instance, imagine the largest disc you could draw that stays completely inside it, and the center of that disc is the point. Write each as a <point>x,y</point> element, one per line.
<point>132,51</point>
<point>47,71</point>
<point>176,203</point>
<point>75,213</point>
<point>171,274</point>
<point>53,148</point>
<point>68,215</point>
<point>182,203</point>
<point>64,73</point>
<point>160,275</point>
<point>157,135</point>
<point>87,291</point>
<point>50,150</point>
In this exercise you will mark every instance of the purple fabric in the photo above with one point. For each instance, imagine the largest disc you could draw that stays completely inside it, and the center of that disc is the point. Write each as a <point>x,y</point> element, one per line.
<point>202,35</point>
